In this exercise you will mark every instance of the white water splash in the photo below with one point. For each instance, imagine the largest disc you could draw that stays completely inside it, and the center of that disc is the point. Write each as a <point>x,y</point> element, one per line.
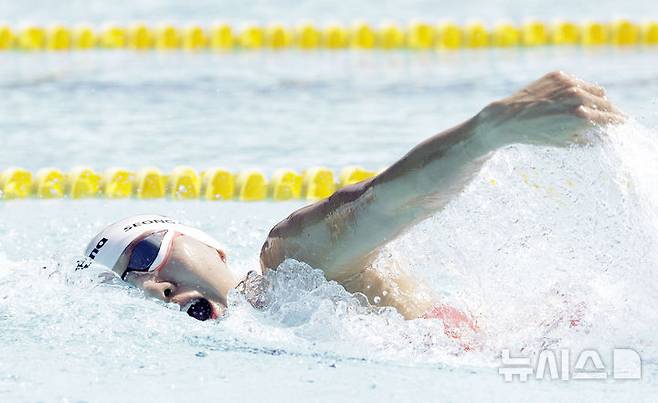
<point>553,248</point>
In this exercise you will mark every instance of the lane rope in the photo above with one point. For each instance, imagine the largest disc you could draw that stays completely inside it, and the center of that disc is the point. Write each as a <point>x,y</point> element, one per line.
<point>417,35</point>
<point>182,183</point>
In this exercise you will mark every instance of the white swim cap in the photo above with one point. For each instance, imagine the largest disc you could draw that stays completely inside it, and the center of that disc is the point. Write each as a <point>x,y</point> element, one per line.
<point>107,247</point>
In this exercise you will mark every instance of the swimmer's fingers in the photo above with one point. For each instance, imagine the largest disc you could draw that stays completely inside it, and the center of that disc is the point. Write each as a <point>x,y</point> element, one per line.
<point>580,92</point>
<point>599,117</point>
<point>577,96</point>
<point>593,89</point>
<point>565,80</point>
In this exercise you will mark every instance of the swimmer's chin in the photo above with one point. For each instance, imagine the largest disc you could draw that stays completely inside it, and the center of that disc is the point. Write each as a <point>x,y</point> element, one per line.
<point>218,310</point>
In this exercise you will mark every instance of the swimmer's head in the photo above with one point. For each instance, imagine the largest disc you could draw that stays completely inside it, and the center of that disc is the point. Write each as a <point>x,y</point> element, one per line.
<point>169,261</point>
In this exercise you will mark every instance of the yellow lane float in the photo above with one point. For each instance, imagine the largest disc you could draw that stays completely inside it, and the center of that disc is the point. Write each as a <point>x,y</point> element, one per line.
<point>15,183</point>
<point>250,185</point>
<point>566,33</point>
<point>285,184</point>
<point>449,36</point>
<point>150,183</point>
<point>82,183</point>
<point>318,183</point>
<point>390,36</point>
<point>184,183</point>
<point>353,174</point>
<point>221,37</point>
<point>217,184</point>
<point>84,37</point>
<point>117,183</point>
<point>49,183</point>
<point>167,37</point>
<point>308,36</point>
<point>31,37</point>
<point>505,35</point>
<point>140,37</point>
<point>6,37</point>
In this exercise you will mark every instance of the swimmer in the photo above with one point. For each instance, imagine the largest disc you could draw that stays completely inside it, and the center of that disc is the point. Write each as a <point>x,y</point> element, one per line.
<point>343,234</point>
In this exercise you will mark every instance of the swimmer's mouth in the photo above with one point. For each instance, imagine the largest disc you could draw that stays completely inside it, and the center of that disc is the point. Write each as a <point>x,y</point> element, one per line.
<point>199,309</point>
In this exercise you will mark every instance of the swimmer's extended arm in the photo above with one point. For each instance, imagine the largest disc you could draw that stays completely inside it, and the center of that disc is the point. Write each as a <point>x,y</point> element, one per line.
<point>341,234</point>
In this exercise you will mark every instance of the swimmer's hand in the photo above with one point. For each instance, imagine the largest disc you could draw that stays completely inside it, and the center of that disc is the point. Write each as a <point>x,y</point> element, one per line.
<point>558,109</point>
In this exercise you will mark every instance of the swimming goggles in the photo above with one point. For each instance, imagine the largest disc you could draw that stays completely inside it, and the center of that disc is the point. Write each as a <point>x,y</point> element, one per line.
<point>147,254</point>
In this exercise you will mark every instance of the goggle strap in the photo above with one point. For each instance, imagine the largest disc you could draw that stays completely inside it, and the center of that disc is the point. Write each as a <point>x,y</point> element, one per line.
<point>165,246</point>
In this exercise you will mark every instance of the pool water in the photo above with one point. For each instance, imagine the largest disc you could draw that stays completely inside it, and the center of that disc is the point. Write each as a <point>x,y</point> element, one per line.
<point>541,235</point>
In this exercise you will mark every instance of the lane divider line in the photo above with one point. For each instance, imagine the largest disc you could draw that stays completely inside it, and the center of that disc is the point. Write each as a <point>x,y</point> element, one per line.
<point>360,35</point>
<point>182,183</point>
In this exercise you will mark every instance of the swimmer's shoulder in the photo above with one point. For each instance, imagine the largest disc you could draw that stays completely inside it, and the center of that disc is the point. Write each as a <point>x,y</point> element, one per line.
<point>289,236</point>
<point>274,250</point>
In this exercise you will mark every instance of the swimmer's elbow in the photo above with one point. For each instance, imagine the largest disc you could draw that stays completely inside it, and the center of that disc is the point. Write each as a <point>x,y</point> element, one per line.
<point>276,247</point>
<point>269,253</point>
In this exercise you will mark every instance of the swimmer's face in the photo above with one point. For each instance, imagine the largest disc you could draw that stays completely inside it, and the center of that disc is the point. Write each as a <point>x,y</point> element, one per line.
<point>193,275</point>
